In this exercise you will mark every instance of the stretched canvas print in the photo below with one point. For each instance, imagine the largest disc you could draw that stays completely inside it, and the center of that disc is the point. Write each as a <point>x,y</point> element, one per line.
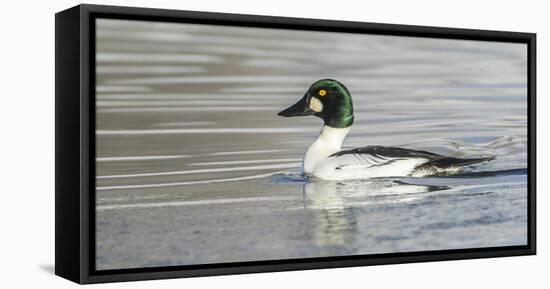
<point>215,143</point>
<point>409,144</point>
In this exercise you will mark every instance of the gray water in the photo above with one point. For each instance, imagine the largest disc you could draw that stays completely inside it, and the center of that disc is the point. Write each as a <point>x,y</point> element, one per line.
<point>195,167</point>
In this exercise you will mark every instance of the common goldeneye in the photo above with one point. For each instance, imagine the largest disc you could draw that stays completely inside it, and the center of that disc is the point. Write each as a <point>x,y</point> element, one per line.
<point>331,101</point>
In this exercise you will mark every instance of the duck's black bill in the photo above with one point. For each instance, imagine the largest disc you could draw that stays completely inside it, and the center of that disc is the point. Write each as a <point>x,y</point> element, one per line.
<point>298,109</point>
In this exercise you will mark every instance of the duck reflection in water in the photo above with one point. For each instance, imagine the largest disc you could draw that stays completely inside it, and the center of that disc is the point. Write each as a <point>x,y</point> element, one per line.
<point>336,205</point>
<point>336,224</point>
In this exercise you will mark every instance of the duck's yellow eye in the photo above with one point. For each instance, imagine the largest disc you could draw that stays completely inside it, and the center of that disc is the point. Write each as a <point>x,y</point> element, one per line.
<point>322,92</point>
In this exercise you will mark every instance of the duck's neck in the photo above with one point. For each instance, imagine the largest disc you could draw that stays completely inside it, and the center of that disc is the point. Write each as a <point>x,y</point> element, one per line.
<point>329,141</point>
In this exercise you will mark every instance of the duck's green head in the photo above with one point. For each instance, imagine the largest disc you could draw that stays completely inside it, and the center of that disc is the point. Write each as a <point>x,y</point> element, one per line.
<point>327,99</point>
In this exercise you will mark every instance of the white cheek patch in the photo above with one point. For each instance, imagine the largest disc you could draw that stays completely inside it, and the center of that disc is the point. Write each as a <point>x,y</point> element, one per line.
<point>315,104</point>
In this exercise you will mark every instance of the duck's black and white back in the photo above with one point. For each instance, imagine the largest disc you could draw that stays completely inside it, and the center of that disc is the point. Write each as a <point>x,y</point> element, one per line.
<point>380,161</point>
<point>331,101</point>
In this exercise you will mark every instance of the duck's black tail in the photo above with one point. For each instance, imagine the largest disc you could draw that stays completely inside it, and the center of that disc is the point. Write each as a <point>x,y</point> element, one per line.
<point>450,162</point>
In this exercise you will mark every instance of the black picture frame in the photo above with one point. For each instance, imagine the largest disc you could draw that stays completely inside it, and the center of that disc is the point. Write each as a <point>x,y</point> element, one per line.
<point>75,143</point>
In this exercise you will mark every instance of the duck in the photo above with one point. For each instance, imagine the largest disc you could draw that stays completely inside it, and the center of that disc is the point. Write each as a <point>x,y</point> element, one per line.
<point>331,101</point>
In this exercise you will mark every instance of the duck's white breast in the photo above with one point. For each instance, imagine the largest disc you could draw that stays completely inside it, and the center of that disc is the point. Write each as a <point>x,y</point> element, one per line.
<point>329,142</point>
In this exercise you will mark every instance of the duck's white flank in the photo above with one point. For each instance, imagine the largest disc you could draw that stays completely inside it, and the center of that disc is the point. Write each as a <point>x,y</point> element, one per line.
<point>329,142</point>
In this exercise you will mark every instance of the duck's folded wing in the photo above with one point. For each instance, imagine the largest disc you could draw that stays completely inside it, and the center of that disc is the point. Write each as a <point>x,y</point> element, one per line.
<point>377,156</point>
